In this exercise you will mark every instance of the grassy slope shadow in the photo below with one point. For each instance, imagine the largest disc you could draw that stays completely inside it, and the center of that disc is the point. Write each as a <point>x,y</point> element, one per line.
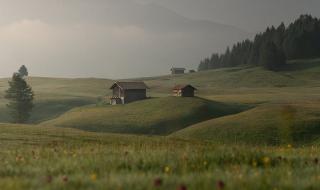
<point>48,109</point>
<point>269,125</point>
<point>158,116</point>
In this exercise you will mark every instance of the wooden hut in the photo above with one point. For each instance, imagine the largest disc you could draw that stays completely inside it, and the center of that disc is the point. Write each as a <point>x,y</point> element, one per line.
<point>184,90</point>
<point>127,92</point>
<point>176,71</point>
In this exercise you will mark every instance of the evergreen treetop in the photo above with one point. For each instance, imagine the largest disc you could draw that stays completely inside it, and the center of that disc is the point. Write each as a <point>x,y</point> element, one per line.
<point>20,96</point>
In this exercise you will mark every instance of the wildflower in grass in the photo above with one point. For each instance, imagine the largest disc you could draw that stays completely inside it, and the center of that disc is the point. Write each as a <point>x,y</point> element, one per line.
<point>93,177</point>
<point>49,179</point>
<point>205,163</point>
<point>167,169</point>
<point>316,161</point>
<point>182,187</point>
<point>254,163</point>
<point>19,159</point>
<point>289,146</point>
<point>157,182</point>
<point>266,160</point>
<point>220,185</point>
<point>65,179</point>
<point>184,156</point>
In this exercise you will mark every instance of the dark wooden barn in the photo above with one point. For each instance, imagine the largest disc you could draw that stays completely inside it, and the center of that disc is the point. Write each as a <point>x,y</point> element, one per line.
<point>127,92</point>
<point>184,91</point>
<point>176,71</point>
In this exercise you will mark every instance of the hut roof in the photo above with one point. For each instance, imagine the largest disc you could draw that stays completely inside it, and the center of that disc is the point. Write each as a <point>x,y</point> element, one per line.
<point>173,68</point>
<point>181,87</point>
<point>130,85</point>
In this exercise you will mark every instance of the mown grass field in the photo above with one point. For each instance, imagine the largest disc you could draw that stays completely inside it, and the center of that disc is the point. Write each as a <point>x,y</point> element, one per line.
<point>56,158</point>
<point>286,107</point>
<point>248,129</point>
<point>251,85</point>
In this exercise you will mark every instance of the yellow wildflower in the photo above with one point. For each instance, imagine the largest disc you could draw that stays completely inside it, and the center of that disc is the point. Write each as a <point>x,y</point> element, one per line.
<point>167,169</point>
<point>254,163</point>
<point>93,177</point>
<point>266,160</point>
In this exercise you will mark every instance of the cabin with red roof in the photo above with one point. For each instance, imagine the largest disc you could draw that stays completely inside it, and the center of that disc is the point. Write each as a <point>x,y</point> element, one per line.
<point>184,90</point>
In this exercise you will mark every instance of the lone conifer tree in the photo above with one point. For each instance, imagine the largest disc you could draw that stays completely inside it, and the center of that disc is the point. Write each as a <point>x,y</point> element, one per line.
<point>23,71</point>
<point>20,96</point>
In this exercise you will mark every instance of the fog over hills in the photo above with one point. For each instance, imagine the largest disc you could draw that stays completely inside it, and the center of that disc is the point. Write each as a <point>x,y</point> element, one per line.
<point>251,15</point>
<point>108,38</point>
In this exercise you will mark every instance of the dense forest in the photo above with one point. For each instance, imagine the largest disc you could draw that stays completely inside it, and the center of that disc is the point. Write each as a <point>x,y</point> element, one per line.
<point>271,49</point>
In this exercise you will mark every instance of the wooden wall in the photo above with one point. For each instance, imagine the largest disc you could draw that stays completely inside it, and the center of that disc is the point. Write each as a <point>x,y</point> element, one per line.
<point>135,95</point>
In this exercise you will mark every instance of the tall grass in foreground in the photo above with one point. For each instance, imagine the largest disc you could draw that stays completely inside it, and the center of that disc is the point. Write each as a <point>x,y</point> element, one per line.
<point>132,162</point>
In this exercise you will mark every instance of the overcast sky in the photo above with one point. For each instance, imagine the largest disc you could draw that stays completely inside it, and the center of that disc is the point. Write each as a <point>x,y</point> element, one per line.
<point>129,38</point>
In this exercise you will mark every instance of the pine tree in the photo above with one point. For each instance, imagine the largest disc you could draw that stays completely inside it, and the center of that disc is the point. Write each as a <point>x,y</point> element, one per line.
<point>226,58</point>
<point>300,40</point>
<point>20,96</point>
<point>23,71</point>
<point>271,57</point>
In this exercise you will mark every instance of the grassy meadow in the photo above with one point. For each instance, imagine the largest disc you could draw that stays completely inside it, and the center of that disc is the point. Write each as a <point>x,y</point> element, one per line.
<point>55,96</point>
<point>156,116</point>
<point>248,129</point>
<point>57,158</point>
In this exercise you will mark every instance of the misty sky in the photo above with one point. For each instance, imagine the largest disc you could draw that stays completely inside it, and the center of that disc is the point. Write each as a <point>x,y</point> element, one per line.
<point>129,38</point>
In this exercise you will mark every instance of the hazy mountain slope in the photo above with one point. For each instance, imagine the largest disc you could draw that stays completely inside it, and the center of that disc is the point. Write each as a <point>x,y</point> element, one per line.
<point>109,39</point>
<point>253,15</point>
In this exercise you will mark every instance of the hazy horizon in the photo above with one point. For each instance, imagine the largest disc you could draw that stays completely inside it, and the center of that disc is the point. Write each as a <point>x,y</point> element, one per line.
<point>129,38</point>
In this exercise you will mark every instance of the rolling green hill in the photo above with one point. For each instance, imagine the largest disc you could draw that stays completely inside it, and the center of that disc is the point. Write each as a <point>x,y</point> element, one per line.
<point>298,86</point>
<point>55,96</point>
<point>298,73</point>
<point>248,84</point>
<point>270,124</point>
<point>158,116</point>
